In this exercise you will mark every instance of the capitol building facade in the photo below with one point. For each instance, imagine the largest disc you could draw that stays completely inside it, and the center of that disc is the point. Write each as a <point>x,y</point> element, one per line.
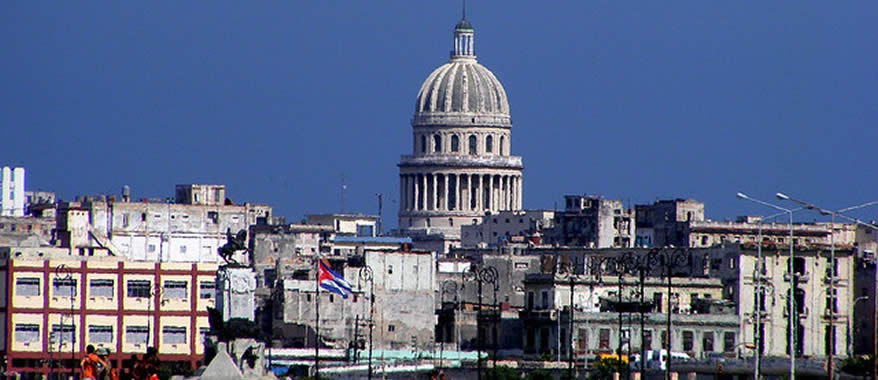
<point>461,167</point>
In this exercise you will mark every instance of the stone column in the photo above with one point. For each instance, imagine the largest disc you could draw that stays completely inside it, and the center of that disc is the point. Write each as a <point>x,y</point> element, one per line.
<point>444,204</point>
<point>434,192</point>
<point>489,204</point>
<point>477,187</point>
<point>423,201</point>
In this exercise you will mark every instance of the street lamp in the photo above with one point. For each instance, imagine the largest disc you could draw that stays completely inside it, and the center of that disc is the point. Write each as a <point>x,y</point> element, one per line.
<point>791,298</point>
<point>366,275</point>
<point>832,267</point>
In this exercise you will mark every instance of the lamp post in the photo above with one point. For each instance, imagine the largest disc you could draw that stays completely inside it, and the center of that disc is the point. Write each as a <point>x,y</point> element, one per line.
<point>366,276</point>
<point>449,286</point>
<point>833,268</point>
<point>760,299</point>
<point>485,274</point>
<point>791,298</point>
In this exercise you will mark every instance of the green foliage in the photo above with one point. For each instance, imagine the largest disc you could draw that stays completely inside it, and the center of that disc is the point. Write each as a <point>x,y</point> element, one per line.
<point>604,368</point>
<point>857,365</point>
<point>539,374</point>
<point>502,373</point>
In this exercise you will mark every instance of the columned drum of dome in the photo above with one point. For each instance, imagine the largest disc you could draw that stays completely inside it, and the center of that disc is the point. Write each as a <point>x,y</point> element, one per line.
<point>460,167</point>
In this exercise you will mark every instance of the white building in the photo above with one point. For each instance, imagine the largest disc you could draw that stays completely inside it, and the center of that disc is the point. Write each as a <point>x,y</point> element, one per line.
<point>461,164</point>
<point>12,191</point>
<point>157,231</point>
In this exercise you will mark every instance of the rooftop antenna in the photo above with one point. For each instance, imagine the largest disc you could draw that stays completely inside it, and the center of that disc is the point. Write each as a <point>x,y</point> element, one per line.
<point>464,9</point>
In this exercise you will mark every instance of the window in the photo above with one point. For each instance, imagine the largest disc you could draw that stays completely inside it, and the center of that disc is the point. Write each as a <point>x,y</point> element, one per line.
<point>143,217</point>
<point>63,333</point>
<point>27,333</point>
<point>213,216</point>
<point>202,332</point>
<point>365,230</point>
<point>390,269</point>
<point>472,144</point>
<point>150,248</point>
<point>530,300</point>
<point>688,337</point>
<point>136,334</point>
<point>604,339</point>
<point>728,341</point>
<point>174,335</point>
<point>665,339</point>
<point>27,286</point>
<point>647,340</point>
<point>101,288</point>
<point>707,341</point>
<point>100,334</point>
<point>125,220</point>
<point>489,144</point>
<point>139,288</point>
<point>545,304</point>
<point>531,337</point>
<point>423,144</point>
<point>64,287</point>
<point>175,289</point>
<point>502,142</point>
<point>207,290</point>
<point>182,249</point>
<point>391,328</point>
<point>455,144</point>
<point>437,143</point>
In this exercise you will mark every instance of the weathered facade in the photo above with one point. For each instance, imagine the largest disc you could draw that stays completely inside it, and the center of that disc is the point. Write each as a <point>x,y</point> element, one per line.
<point>504,226</point>
<point>591,221</point>
<point>156,231</point>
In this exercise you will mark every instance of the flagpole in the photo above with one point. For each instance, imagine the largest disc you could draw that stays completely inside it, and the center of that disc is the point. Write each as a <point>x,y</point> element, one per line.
<point>317,321</point>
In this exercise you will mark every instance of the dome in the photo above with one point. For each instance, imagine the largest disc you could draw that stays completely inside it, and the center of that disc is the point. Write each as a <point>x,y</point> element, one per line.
<point>462,87</point>
<point>462,92</point>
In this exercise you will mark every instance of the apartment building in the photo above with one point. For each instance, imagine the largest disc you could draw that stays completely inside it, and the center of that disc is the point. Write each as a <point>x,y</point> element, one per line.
<point>53,304</point>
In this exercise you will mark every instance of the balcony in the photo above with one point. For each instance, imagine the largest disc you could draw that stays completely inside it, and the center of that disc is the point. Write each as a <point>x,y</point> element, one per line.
<point>802,277</point>
<point>803,312</point>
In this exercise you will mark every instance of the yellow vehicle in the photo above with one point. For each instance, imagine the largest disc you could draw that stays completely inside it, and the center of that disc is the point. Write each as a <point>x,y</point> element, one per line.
<point>623,358</point>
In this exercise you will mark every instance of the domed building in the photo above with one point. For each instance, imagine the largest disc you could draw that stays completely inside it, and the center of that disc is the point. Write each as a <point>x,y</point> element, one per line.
<point>460,168</point>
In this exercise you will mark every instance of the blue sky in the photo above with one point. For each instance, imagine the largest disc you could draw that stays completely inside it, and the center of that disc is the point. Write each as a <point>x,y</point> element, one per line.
<point>631,100</point>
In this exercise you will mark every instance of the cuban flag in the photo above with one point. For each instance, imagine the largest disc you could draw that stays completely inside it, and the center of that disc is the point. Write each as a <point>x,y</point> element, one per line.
<point>332,281</point>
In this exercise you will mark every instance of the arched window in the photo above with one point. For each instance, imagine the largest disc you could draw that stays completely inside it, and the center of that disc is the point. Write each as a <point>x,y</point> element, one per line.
<point>502,144</point>
<point>472,144</point>
<point>437,143</point>
<point>423,144</point>
<point>489,144</point>
<point>455,144</point>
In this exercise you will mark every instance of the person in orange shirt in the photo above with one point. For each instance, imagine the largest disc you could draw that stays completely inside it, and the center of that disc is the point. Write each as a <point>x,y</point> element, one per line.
<point>91,363</point>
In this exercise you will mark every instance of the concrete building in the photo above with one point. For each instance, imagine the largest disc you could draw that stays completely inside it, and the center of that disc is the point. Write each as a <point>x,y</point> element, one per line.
<point>818,314</point>
<point>270,243</point>
<point>40,204</point>
<point>591,221</point>
<point>55,304</point>
<point>346,224</point>
<point>504,226</point>
<point>461,165</point>
<point>663,223</point>
<point>155,231</point>
<point>12,198</point>
<point>26,231</point>
<point>403,313</point>
<point>606,321</point>
<point>708,233</point>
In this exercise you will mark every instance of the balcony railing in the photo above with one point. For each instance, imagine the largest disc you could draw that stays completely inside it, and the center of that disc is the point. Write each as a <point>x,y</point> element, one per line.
<point>802,277</point>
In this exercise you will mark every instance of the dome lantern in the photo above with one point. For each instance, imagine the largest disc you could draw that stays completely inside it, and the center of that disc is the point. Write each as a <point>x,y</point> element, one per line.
<point>463,41</point>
